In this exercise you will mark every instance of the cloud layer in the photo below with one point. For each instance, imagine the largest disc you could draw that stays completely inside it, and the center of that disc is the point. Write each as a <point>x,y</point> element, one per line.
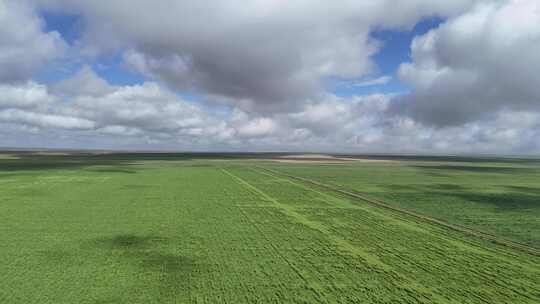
<point>264,55</point>
<point>259,68</point>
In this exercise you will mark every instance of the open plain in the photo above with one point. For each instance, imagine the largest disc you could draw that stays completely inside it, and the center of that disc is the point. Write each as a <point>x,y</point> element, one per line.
<point>229,228</point>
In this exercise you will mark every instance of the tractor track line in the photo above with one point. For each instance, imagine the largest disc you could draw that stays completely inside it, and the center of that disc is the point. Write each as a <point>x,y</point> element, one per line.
<point>343,244</point>
<point>379,203</point>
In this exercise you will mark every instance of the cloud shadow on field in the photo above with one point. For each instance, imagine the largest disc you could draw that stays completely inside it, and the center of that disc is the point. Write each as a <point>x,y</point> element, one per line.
<point>128,242</point>
<point>518,197</point>
<point>503,201</point>
<point>445,187</point>
<point>148,255</point>
<point>524,189</point>
<point>397,187</point>
<point>425,188</point>
<point>435,174</point>
<point>175,272</point>
<point>441,158</point>
<point>38,162</point>
<point>113,170</point>
<point>108,301</point>
<point>446,194</point>
<point>110,162</point>
<point>478,169</point>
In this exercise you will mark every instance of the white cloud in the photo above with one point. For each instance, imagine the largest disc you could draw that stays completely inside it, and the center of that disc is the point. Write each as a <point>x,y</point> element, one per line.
<point>24,46</point>
<point>25,95</point>
<point>476,64</point>
<point>370,82</point>
<point>150,116</point>
<point>89,102</point>
<point>260,55</point>
<point>84,82</point>
<point>44,120</point>
<point>256,127</point>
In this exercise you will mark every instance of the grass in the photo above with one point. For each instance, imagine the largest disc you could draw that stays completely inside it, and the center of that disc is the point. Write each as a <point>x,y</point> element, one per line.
<point>128,229</point>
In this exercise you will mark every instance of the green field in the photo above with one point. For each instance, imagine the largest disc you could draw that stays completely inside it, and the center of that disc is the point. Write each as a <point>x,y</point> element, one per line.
<point>195,229</point>
<point>494,195</point>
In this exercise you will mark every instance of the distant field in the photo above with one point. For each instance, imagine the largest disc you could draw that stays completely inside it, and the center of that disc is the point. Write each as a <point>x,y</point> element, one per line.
<point>499,196</point>
<point>185,229</point>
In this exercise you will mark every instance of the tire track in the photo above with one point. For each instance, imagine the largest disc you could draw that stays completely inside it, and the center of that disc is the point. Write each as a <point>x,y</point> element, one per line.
<point>371,260</point>
<point>379,203</point>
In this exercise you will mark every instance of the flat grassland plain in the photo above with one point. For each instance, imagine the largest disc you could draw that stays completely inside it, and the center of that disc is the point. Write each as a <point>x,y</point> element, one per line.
<point>185,228</point>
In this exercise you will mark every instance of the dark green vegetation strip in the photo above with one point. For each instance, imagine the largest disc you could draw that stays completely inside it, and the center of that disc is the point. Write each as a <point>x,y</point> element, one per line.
<point>469,231</point>
<point>102,230</point>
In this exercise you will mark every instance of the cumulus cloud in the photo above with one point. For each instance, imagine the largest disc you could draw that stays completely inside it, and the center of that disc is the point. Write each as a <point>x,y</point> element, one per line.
<point>475,64</point>
<point>44,120</point>
<point>146,106</point>
<point>148,115</point>
<point>24,46</point>
<point>25,95</point>
<point>31,105</point>
<point>258,127</point>
<point>474,78</point>
<point>84,82</point>
<point>87,102</point>
<point>261,55</point>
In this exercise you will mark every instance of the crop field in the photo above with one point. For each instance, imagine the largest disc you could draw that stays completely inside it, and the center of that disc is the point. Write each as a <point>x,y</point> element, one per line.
<point>127,228</point>
<point>498,196</point>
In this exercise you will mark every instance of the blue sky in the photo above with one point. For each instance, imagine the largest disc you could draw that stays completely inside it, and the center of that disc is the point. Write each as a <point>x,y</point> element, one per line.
<point>395,50</point>
<point>69,26</point>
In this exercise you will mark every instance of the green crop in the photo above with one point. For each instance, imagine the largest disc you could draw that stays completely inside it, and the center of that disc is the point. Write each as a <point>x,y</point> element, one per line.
<point>502,198</point>
<point>176,229</point>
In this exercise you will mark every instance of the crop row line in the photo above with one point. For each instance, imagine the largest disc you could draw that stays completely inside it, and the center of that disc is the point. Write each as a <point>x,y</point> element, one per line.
<point>313,286</point>
<point>368,258</point>
<point>380,203</point>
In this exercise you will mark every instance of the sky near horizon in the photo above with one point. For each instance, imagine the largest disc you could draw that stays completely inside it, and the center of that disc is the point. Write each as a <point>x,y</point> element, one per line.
<point>416,76</point>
